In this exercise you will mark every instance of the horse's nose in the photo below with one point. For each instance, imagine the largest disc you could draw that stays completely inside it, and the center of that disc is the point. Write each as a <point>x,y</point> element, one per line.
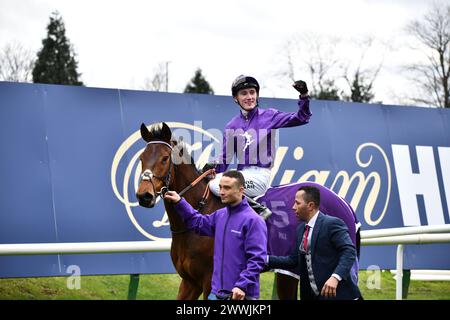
<point>146,199</point>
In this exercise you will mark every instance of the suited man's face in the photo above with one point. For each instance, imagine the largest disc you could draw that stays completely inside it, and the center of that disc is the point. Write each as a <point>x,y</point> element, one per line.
<point>303,210</point>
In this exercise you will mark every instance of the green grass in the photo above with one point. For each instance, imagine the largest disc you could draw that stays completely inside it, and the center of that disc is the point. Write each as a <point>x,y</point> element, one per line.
<point>165,287</point>
<point>418,290</point>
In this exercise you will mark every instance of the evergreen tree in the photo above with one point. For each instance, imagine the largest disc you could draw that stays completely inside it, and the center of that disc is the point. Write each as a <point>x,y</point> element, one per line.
<point>361,90</point>
<point>56,60</point>
<point>198,84</point>
<point>326,91</point>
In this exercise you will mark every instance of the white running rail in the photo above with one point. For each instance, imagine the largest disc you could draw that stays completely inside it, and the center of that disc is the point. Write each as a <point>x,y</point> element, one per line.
<point>399,236</point>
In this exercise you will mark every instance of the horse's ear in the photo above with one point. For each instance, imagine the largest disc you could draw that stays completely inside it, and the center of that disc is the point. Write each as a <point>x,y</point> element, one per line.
<point>146,135</point>
<point>166,132</point>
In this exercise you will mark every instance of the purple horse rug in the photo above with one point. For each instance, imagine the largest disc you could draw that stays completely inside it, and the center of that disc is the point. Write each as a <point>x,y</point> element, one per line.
<point>282,224</point>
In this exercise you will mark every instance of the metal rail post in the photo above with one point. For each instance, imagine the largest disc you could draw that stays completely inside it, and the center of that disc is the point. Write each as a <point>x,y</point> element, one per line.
<point>399,275</point>
<point>133,286</point>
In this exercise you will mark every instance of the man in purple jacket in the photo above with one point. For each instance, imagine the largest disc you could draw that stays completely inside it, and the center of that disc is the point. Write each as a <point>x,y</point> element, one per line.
<point>240,239</point>
<point>251,136</point>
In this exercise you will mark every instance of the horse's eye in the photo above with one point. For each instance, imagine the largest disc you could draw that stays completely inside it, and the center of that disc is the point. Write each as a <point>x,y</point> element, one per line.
<point>164,159</point>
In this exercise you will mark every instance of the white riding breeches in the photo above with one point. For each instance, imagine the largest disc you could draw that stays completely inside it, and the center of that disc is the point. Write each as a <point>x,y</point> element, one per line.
<point>256,181</point>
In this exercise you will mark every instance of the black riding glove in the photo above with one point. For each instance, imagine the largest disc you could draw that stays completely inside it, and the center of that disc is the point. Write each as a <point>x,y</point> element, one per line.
<point>301,87</point>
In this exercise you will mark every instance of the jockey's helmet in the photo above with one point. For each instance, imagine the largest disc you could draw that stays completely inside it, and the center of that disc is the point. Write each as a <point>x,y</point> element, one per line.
<point>244,82</point>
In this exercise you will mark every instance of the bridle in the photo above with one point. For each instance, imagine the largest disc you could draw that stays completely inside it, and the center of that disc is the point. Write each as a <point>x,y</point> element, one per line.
<point>147,175</point>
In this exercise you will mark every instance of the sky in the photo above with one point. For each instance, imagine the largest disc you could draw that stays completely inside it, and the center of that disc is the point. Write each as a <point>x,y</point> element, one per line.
<point>120,43</point>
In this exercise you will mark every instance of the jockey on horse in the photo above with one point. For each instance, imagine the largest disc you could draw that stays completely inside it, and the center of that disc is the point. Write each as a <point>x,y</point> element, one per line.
<point>249,136</point>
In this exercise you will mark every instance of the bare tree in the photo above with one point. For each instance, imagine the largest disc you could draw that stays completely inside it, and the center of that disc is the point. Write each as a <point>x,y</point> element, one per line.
<point>159,80</point>
<point>432,77</point>
<point>318,60</point>
<point>361,79</point>
<point>16,63</point>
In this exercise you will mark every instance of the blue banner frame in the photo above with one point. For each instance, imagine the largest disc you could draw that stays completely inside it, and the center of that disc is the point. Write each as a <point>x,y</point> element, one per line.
<point>69,170</point>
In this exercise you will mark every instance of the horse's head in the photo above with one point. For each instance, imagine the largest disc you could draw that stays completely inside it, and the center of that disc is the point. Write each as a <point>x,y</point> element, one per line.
<point>156,161</point>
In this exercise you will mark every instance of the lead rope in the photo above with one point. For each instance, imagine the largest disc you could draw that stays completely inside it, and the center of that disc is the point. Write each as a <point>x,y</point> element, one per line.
<point>200,178</point>
<point>202,202</point>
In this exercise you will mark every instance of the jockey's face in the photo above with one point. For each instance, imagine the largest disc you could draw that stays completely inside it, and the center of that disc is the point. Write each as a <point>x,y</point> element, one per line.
<point>247,98</point>
<point>230,191</point>
<point>303,210</point>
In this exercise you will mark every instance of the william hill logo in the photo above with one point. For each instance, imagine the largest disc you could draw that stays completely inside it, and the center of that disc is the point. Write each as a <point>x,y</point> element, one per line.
<point>367,186</point>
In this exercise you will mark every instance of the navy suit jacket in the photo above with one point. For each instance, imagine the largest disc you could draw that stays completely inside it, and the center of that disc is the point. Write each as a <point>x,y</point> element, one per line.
<point>332,251</point>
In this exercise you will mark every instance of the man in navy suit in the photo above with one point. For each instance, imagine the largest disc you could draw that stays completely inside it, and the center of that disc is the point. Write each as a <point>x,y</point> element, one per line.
<point>324,252</point>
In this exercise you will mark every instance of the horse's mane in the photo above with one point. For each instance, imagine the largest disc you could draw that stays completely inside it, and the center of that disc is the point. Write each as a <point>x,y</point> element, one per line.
<point>157,133</point>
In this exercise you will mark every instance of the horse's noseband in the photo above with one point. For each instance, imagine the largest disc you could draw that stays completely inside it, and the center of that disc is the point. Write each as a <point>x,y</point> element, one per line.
<point>147,175</point>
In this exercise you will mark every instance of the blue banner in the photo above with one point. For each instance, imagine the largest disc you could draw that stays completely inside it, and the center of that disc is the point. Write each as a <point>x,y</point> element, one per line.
<point>69,170</point>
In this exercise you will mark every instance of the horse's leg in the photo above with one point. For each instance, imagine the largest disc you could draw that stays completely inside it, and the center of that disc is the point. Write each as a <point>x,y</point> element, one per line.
<point>287,287</point>
<point>188,291</point>
<point>206,286</point>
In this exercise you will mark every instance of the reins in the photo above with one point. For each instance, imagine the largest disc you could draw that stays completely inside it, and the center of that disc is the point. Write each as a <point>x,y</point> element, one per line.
<point>200,178</point>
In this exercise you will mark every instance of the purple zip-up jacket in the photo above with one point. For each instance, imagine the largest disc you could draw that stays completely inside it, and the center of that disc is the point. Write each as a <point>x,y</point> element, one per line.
<point>250,137</point>
<point>240,244</point>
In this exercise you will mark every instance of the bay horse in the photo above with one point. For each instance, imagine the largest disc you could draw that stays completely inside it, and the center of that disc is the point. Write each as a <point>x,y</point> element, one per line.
<point>167,165</point>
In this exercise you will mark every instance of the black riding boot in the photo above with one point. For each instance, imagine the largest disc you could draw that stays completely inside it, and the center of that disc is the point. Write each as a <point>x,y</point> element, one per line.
<point>261,210</point>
